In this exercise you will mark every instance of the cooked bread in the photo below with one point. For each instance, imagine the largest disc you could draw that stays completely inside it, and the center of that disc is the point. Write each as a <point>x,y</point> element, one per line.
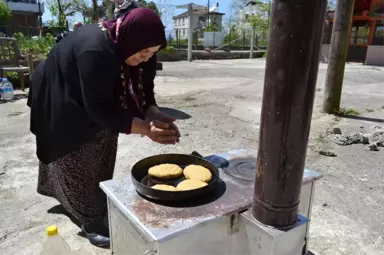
<point>190,184</point>
<point>197,172</point>
<point>164,187</point>
<point>165,171</point>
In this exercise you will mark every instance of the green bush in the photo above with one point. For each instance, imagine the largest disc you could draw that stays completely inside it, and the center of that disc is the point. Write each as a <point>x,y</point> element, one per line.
<point>39,47</point>
<point>169,49</point>
<point>12,75</point>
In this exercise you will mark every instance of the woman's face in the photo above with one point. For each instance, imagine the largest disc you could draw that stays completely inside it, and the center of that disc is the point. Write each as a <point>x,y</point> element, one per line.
<point>142,56</point>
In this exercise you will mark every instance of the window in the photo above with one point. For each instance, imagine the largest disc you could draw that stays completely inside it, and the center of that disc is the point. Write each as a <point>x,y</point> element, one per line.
<point>378,37</point>
<point>360,33</point>
<point>379,33</point>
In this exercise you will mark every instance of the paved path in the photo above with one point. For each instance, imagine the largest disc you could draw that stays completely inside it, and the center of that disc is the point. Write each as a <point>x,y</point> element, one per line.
<point>219,105</point>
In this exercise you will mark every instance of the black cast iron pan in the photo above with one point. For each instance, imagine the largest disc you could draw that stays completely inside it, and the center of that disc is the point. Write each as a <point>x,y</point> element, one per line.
<point>143,183</point>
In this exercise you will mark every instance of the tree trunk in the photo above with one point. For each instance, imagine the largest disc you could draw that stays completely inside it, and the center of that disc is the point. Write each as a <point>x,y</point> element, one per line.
<point>95,16</point>
<point>338,55</point>
<point>61,15</point>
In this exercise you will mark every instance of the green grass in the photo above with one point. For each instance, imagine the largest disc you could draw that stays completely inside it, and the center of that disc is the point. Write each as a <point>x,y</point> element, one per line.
<point>320,138</point>
<point>348,112</point>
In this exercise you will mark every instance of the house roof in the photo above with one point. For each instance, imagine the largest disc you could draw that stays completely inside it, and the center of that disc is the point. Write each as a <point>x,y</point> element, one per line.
<point>199,9</point>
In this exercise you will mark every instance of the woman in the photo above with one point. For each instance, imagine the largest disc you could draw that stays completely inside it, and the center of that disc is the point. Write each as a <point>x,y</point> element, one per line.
<point>81,98</point>
<point>148,68</point>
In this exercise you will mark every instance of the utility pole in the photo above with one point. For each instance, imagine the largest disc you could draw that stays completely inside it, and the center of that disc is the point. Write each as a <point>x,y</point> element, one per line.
<point>338,55</point>
<point>252,42</point>
<point>40,19</point>
<point>209,3</point>
<point>190,32</point>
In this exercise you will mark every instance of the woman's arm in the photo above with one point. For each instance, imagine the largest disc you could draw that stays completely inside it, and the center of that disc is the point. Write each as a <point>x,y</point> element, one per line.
<point>152,112</point>
<point>98,74</point>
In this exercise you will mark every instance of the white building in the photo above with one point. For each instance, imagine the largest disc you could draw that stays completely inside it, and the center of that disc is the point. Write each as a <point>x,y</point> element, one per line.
<point>201,19</point>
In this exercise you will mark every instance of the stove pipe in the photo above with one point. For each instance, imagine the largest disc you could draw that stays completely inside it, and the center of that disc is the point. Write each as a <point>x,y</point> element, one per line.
<point>289,91</point>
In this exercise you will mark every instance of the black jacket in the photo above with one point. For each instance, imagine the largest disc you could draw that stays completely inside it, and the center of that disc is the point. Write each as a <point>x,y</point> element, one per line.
<point>76,92</point>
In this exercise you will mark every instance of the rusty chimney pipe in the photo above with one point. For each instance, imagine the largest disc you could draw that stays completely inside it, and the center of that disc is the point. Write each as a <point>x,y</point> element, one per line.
<point>289,91</point>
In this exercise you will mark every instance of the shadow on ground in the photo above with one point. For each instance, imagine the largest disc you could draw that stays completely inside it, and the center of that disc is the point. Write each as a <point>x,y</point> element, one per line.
<point>59,209</point>
<point>353,117</point>
<point>179,115</point>
<point>17,97</point>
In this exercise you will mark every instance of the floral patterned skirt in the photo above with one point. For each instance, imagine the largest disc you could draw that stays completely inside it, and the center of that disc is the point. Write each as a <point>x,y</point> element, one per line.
<point>74,179</point>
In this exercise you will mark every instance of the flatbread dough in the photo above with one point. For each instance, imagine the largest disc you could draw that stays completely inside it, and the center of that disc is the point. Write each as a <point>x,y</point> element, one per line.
<point>197,172</point>
<point>190,184</point>
<point>164,187</point>
<point>165,171</point>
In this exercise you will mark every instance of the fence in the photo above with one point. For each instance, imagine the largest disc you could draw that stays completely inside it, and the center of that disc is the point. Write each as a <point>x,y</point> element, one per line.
<point>25,30</point>
<point>231,42</point>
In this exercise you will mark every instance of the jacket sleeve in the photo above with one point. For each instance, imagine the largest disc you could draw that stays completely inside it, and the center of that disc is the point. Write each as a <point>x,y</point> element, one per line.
<point>149,74</point>
<point>98,77</point>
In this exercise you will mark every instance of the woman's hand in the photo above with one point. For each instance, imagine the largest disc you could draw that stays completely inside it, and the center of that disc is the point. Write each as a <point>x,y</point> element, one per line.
<point>161,132</point>
<point>157,131</point>
<point>153,113</point>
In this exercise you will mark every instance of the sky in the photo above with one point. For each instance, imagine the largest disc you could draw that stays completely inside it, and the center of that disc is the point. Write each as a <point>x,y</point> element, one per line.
<point>223,7</point>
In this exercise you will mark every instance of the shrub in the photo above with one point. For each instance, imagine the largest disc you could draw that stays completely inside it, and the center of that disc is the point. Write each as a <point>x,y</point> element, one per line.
<point>12,75</point>
<point>169,49</point>
<point>39,47</point>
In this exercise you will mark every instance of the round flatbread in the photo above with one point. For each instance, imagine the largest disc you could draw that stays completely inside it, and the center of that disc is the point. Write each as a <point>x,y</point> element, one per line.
<point>197,172</point>
<point>165,171</point>
<point>164,187</point>
<point>190,184</point>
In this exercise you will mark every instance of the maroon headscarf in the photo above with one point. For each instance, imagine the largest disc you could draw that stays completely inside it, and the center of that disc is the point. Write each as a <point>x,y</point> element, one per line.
<point>138,29</point>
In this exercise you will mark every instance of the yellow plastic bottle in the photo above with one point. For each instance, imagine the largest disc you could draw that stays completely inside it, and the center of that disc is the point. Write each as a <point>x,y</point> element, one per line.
<point>55,244</point>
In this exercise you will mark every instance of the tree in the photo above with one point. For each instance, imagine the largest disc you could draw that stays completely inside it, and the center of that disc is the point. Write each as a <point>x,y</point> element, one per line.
<point>150,5</point>
<point>62,9</point>
<point>5,13</point>
<point>95,14</point>
<point>92,13</point>
<point>260,22</point>
<point>166,11</point>
<point>108,7</point>
<point>337,55</point>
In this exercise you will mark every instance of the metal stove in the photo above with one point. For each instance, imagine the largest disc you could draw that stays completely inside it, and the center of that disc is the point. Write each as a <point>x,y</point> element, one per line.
<point>263,203</point>
<point>220,224</point>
